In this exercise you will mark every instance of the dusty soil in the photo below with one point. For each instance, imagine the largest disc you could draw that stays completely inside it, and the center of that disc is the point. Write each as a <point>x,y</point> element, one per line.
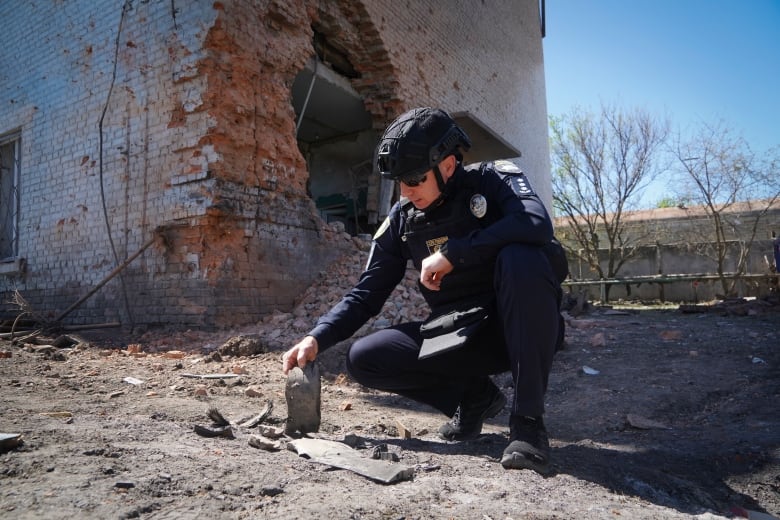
<point>682,420</point>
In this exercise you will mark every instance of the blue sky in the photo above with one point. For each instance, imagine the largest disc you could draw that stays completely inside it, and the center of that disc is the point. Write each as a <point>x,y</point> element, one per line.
<point>692,60</point>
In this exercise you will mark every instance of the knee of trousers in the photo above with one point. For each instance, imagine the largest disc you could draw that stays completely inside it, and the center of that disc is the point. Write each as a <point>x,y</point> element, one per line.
<point>523,266</point>
<point>357,360</point>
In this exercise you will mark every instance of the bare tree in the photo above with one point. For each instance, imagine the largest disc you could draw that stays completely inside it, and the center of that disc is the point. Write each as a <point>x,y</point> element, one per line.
<point>735,187</point>
<point>601,166</point>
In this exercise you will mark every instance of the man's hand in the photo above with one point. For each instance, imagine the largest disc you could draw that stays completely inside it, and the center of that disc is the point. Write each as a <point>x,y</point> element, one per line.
<point>433,269</point>
<point>303,352</point>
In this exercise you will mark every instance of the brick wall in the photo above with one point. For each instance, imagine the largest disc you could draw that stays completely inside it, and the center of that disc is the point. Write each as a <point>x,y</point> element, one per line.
<point>198,144</point>
<point>481,57</point>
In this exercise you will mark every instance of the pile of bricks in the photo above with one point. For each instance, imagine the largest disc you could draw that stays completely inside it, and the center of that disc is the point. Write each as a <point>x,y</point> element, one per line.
<point>280,329</point>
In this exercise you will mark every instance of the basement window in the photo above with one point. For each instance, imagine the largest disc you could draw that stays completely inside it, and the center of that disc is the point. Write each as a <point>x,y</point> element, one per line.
<point>10,161</point>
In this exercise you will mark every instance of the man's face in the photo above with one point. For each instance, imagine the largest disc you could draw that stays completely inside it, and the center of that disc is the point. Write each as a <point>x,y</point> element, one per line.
<point>427,191</point>
<point>423,193</point>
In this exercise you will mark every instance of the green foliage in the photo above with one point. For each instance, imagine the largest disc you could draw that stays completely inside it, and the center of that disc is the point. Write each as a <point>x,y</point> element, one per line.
<point>675,201</point>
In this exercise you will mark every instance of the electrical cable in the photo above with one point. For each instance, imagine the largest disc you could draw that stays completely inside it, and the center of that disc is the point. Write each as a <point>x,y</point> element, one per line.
<point>125,7</point>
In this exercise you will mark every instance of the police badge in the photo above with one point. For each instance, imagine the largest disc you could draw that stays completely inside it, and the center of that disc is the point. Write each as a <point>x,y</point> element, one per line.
<point>478,205</point>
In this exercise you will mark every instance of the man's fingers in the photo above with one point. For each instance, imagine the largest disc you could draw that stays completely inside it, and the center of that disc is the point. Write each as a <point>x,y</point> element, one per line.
<point>286,363</point>
<point>302,359</point>
<point>431,280</point>
<point>290,360</point>
<point>300,354</point>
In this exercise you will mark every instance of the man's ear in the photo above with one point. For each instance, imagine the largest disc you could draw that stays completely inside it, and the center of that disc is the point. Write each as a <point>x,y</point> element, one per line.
<point>447,166</point>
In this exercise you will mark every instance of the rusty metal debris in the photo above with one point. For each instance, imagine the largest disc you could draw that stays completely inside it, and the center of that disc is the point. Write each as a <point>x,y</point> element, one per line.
<point>256,420</point>
<point>222,427</point>
<point>339,455</point>
<point>218,431</point>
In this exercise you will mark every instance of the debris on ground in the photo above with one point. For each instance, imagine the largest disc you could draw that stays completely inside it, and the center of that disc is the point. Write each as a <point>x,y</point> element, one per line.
<point>339,455</point>
<point>9,441</point>
<point>302,393</point>
<point>713,388</point>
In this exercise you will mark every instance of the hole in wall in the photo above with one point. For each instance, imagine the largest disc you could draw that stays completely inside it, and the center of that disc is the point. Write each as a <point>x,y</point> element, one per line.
<point>335,136</point>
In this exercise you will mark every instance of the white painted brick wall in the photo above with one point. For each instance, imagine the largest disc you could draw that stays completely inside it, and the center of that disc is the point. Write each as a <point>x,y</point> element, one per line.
<point>55,72</point>
<point>53,86</point>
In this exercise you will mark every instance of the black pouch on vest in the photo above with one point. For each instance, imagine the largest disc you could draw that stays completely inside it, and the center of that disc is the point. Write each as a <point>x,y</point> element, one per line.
<point>451,330</point>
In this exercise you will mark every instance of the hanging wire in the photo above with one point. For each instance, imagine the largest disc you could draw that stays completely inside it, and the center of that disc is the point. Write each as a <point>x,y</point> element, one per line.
<point>125,8</point>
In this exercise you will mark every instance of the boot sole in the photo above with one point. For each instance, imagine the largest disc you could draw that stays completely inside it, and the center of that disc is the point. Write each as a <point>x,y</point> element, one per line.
<point>526,457</point>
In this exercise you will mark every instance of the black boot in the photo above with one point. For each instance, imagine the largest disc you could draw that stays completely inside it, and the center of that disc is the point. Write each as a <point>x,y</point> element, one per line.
<point>528,446</point>
<point>476,406</point>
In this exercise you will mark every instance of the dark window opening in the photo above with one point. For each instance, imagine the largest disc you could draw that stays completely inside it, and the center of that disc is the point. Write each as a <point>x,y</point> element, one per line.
<point>9,196</point>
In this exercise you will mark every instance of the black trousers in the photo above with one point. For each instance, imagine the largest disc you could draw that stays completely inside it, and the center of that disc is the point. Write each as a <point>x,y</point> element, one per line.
<point>521,337</point>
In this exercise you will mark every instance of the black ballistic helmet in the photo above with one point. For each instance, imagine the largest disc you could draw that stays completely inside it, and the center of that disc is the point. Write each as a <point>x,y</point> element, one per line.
<point>417,141</point>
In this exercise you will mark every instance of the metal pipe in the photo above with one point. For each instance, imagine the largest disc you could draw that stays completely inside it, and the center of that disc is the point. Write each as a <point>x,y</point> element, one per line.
<point>306,101</point>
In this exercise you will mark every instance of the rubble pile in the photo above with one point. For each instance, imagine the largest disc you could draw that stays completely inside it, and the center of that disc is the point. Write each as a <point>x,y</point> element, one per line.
<point>281,330</point>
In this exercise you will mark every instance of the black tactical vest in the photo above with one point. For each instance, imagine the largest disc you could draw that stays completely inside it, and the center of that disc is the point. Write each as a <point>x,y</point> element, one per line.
<point>426,231</point>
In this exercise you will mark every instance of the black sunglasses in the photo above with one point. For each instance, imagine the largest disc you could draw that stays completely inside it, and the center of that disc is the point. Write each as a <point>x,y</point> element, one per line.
<point>414,180</point>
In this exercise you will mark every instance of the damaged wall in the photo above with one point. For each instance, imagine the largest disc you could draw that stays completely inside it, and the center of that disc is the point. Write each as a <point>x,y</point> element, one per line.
<point>484,58</point>
<point>164,118</point>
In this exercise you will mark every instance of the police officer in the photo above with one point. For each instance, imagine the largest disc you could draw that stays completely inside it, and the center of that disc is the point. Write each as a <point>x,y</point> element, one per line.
<point>490,271</point>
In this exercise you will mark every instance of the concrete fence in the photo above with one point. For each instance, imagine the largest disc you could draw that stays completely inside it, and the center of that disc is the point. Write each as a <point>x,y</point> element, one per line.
<point>676,273</point>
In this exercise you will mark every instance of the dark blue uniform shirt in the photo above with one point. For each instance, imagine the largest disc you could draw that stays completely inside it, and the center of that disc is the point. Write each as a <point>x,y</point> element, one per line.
<point>514,214</point>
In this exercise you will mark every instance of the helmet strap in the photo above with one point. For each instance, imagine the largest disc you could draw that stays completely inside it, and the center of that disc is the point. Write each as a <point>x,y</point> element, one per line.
<point>439,178</point>
<point>440,183</point>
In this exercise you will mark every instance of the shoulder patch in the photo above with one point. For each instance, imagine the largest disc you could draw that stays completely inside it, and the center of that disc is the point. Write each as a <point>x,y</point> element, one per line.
<point>521,186</point>
<point>507,167</point>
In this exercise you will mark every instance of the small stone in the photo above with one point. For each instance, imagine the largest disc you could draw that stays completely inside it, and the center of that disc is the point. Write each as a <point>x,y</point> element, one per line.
<point>403,431</point>
<point>263,443</point>
<point>253,392</point>
<point>382,323</point>
<point>272,432</point>
<point>670,335</point>
<point>598,340</point>
<point>271,491</point>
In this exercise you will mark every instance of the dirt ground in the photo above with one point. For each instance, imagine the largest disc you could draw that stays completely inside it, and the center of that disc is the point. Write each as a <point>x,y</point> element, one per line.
<point>652,413</point>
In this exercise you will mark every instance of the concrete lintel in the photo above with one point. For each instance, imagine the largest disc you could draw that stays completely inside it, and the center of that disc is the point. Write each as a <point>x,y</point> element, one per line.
<point>487,145</point>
